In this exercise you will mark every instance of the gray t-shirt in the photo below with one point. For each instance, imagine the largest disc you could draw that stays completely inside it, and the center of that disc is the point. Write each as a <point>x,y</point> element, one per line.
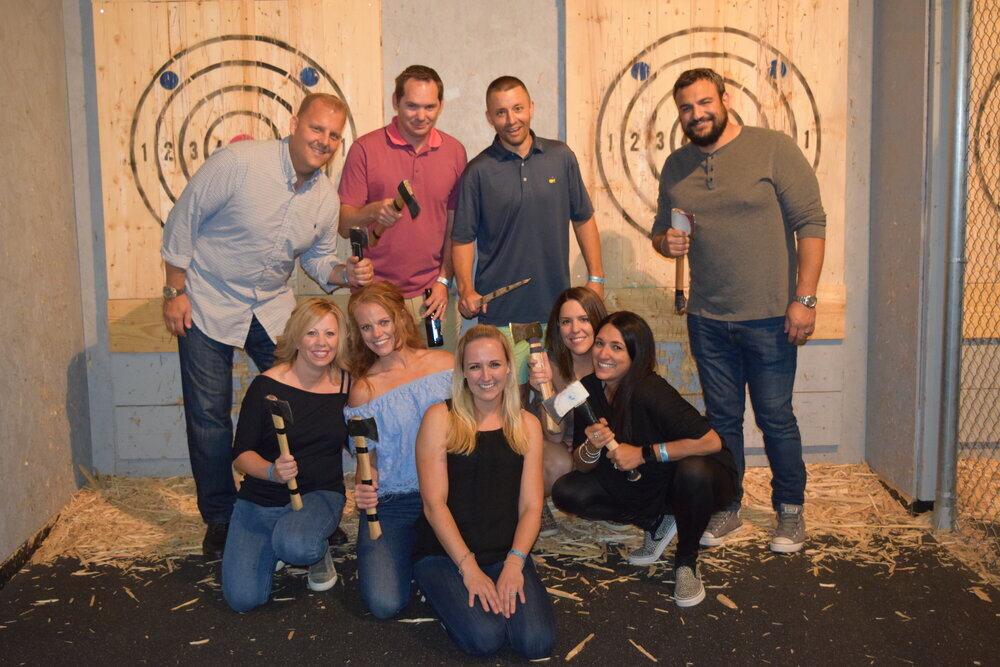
<point>751,199</point>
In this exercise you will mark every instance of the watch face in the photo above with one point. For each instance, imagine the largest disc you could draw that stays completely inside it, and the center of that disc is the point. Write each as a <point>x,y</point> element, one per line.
<point>807,301</point>
<point>169,292</point>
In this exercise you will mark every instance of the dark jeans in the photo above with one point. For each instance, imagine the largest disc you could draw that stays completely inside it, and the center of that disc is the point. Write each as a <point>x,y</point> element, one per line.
<point>530,630</point>
<point>385,565</point>
<point>732,356</point>
<point>700,485</point>
<point>261,536</point>
<point>207,385</point>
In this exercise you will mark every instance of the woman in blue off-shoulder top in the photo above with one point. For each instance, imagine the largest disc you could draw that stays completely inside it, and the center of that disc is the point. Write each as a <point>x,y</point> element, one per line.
<point>397,379</point>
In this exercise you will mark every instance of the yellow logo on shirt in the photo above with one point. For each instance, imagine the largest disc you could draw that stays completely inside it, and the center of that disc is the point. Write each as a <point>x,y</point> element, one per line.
<point>552,180</point>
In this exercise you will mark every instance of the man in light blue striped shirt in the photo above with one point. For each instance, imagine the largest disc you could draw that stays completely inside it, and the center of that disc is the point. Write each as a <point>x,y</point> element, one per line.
<point>229,245</point>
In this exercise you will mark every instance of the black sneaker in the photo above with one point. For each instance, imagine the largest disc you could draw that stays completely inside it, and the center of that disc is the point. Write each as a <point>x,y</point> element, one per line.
<point>215,540</point>
<point>338,538</point>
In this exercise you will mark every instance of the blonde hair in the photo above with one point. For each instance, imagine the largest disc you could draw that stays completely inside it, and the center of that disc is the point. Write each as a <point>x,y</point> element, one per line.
<point>306,314</point>
<point>462,427</point>
<point>387,295</point>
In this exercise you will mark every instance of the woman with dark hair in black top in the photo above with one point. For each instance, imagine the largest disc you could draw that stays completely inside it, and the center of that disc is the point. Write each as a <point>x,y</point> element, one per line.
<point>686,470</point>
<point>479,461</point>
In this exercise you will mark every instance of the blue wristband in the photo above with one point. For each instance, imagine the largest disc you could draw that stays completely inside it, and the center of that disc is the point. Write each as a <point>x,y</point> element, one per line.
<point>595,279</point>
<point>664,455</point>
<point>270,473</point>
<point>519,554</point>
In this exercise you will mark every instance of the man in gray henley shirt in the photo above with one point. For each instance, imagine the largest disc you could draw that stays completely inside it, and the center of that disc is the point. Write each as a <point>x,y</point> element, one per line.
<point>756,252</point>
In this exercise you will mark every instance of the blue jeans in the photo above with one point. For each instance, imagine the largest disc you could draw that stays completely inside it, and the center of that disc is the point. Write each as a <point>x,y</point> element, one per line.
<point>261,536</point>
<point>530,630</point>
<point>207,385</point>
<point>732,356</point>
<point>385,567</point>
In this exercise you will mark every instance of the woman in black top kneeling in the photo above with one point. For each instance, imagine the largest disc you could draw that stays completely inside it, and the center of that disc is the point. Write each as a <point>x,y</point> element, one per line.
<point>686,471</point>
<point>479,461</point>
<point>309,374</point>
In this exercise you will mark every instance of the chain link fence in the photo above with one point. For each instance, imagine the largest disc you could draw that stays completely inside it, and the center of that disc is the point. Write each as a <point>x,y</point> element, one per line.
<point>978,483</point>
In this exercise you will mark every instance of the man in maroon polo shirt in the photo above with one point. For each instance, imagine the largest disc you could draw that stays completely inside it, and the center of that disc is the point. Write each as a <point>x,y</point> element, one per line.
<point>413,254</point>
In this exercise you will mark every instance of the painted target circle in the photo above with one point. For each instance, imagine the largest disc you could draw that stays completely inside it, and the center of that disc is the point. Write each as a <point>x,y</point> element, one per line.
<point>210,95</point>
<point>986,142</point>
<point>637,125</point>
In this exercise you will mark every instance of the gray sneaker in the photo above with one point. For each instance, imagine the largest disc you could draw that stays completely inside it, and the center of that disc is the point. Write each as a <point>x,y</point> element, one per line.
<point>791,530</point>
<point>688,589</point>
<point>322,573</point>
<point>549,525</point>
<point>654,543</point>
<point>720,526</point>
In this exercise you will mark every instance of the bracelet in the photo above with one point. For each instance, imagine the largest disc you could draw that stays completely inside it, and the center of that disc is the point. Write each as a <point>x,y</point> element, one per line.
<point>664,455</point>
<point>444,281</point>
<point>347,283</point>
<point>647,454</point>
<point>595,279</point>
<point>270,473</point>
<point>462,560</point>
<point>519,554</point>
<point>586,456</point>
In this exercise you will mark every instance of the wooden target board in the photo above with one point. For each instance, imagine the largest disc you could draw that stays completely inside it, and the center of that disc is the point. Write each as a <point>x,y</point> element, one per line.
<point>179,80</point>
<point>785,68</point>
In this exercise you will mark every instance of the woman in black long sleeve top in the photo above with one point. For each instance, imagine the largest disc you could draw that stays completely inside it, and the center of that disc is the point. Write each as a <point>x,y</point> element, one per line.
<point>686,470</point>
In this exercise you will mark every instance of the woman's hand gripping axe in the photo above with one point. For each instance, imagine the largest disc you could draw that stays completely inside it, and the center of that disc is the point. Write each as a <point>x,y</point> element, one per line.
<point>362,430</point>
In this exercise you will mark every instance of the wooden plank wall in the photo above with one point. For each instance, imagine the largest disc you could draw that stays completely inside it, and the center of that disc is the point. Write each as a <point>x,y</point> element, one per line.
<point>785,63</point>
<point>175,81</point>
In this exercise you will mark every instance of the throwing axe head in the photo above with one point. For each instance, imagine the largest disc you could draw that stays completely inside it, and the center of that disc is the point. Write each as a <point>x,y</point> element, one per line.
<point>574,395</point>
<point>362,428</point>
<point>407,198</point>
<point>279,408</point>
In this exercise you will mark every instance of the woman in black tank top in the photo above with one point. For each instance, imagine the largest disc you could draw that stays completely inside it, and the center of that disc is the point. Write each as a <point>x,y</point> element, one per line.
<point>479,461</point>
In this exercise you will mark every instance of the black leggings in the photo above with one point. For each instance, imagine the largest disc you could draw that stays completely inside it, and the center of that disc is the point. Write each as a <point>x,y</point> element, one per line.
<point>699,486</point>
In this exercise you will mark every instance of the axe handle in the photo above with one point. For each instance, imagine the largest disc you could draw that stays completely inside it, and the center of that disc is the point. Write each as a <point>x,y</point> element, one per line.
<point>365,471</point>
<point>550,424</point>
<point>379,229</point>
<point>293,486</point>
<point>680,301</point>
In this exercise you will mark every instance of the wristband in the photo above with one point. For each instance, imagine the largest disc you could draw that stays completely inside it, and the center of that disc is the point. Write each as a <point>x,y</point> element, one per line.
<point>664,454</point>
<point>445,282</point>
<point>595,279</point>
<point>347,283</point>
<point>270,473</point>
<point>519,554</point>
<point>647,454</point>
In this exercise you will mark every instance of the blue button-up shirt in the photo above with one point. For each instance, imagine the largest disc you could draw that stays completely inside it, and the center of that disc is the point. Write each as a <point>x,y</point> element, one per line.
<point>237,229</point>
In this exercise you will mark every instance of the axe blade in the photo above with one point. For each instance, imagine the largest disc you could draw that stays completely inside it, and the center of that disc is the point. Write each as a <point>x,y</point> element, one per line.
<point>405,191</point>
<point>280,408</point>
<point>572,396</point>
<point>362,428</point>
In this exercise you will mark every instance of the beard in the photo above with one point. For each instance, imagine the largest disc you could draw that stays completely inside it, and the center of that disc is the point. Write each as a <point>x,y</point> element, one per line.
<point>718,127</point>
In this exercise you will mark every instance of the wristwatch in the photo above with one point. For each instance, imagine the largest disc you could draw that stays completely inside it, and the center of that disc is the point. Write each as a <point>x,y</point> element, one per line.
<point>170,292</point>
<point>807,301</point>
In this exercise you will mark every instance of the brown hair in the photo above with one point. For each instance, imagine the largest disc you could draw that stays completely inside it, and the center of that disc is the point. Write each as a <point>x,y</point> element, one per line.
<point>596,311</point>
<point>419,73</point>
<point>503,83</point>
<point>388,296</point>
<point>699,74</point>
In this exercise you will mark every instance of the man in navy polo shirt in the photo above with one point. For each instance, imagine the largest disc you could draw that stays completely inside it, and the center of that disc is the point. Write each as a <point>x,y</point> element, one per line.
<point>517,200</point>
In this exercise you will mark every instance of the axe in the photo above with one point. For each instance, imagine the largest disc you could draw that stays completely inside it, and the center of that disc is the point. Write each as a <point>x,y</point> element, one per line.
<point>684,222</point>
<point>281,413</point>
<point>360,429</point>
<point>404,197</point>
<point>359,241</point>
<point>575,396</point>
<point>534,331</point>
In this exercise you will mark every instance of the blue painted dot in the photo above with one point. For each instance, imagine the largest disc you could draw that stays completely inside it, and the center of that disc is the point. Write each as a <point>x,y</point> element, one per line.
<point>640,71</point>
<point>309,76</point>
<point>169,80</point>
<point>774,68</point>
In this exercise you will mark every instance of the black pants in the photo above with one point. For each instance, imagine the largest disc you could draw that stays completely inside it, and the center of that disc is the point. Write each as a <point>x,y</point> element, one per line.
<point>699,486</point>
